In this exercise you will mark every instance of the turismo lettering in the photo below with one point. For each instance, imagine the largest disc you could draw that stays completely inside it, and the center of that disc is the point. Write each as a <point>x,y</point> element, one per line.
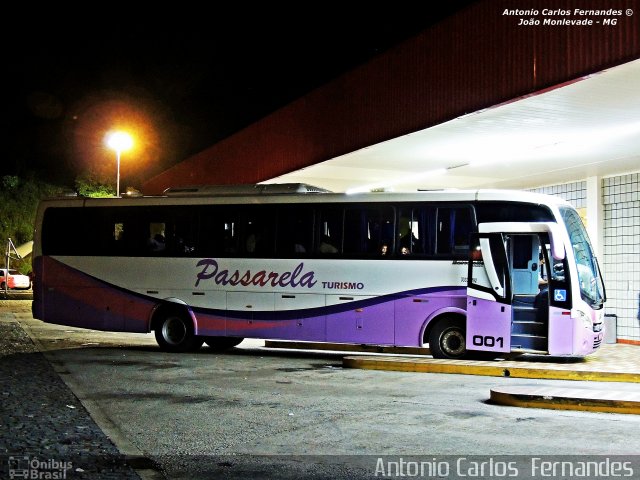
<point>296,278</point>
<point>343,285</point>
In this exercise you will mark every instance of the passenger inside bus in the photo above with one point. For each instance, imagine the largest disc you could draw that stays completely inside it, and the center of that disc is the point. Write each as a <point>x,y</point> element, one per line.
<point>406,239</point>
<point>543,280</point>
<point>157,243</point>
<point>541,301</point>
<point>326,246</point>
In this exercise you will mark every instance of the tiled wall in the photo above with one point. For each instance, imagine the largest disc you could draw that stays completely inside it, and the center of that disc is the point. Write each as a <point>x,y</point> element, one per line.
<point>621,258</point>
<point>575,193</point>
<point>621,249</point>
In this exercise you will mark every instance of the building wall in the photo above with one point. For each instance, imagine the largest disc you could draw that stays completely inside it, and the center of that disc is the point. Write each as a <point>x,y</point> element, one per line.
<point>575,193</point>
<point>620,260</point>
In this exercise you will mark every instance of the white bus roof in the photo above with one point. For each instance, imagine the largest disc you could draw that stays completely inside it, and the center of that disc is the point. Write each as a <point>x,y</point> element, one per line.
<point>303,190</point>
<point>243,189</point>
<point>303,193</point>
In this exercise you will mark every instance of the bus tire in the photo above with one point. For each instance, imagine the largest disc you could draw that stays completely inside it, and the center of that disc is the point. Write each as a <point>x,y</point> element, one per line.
<point>448,339</point>
<point>174,332</point>
<point>220,344</point>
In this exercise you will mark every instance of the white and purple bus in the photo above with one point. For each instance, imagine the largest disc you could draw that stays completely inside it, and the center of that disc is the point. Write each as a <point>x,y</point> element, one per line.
<point>458,271</point>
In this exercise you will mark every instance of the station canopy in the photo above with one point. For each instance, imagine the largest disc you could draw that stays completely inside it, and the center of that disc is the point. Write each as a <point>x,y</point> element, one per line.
<point>587,127</point>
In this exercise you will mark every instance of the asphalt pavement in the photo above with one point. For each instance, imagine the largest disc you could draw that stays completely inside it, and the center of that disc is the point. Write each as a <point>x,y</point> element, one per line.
<point>112,405</point>
<point>45,431</point>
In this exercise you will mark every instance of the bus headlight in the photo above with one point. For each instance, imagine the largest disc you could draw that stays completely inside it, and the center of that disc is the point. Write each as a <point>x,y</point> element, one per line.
<point>586,320</point>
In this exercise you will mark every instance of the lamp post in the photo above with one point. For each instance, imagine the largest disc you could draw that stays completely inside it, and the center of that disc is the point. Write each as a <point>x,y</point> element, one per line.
<point>119,141</point>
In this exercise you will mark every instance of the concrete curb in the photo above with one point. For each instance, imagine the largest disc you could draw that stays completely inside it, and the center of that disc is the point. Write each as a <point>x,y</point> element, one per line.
<point>492,369</point>
<point>610,401</point>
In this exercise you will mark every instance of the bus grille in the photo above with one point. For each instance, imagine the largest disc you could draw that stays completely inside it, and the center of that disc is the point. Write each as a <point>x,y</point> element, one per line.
<point>597,342</point>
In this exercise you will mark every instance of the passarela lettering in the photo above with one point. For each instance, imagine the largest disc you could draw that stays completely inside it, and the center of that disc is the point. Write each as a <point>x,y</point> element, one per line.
<point>295,278</point>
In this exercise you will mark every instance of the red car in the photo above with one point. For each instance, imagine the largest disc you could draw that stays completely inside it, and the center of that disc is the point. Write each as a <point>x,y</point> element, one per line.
<point>14,280</point>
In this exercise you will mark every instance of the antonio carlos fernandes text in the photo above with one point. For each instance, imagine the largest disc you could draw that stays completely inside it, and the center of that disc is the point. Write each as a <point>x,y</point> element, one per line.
<point>537,468</point>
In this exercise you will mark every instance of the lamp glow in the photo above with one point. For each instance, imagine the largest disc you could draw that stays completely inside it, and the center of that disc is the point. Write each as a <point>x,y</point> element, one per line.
<point>119,141</point>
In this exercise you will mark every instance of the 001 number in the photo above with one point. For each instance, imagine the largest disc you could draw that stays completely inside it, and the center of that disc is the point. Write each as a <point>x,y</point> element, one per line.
<point>488,341</point>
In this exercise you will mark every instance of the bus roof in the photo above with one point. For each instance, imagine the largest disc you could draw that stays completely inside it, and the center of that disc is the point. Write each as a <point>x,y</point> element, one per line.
<point>303,193</point>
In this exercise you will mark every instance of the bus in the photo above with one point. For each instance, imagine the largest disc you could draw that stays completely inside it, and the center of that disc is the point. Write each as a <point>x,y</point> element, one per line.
<point>454,271</point>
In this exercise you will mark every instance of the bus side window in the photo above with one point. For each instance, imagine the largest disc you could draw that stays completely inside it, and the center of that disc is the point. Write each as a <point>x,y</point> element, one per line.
<point>330,231</point>
<point>383,241</point>
<point>102,231</point>
<point>353,231</point>
<point>406,243</point>
<point>179,232</point>
<point>461,230</point>
<point>157,238</point>
<point>386,237</point>
<point>259,232</point>
<point>294,231</point>
<point>118,246</point>
<point>453,228</point>
<point>61,234</point>
<point>414,232</point>
<point>218,232</point>
<point>138,231</point>
<point>365,230</point>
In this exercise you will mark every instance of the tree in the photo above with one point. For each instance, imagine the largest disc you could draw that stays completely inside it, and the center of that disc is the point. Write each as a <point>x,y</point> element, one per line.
<point>93,185</point>
<point>19,200</point>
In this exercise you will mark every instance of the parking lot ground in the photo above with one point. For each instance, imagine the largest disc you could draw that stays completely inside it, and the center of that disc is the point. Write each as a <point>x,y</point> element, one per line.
<point>259,412</point>
<point>612,363</point>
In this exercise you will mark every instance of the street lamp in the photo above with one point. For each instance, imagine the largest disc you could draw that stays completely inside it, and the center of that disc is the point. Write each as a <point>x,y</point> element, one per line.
<point>119,141</point>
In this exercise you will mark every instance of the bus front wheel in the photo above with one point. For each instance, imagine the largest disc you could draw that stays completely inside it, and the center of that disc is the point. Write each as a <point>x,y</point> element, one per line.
<point>448,340</point>
<point>174,333</point>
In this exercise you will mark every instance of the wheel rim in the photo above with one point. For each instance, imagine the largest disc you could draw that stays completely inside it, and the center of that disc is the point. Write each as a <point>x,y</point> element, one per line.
<point>452,343</point>
<point>174,331</point>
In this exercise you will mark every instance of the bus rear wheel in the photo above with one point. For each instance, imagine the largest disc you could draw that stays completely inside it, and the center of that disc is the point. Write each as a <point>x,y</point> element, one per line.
<point>219,344</point>
<point>448,339</point>
<point>174,333</point>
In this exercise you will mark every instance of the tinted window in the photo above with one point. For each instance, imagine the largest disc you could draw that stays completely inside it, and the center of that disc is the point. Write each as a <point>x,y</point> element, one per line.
<point>218,233</point>
<point>257,230</point>
<point>294,231</point>
<point>512,212</point>
<point>288,231</point>
<point>330,224</point>
<point>453,227</point>
<point>368,230</point>
<point>416,230</point>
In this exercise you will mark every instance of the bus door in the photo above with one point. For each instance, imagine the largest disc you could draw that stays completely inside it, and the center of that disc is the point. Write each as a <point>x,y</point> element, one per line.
<point>488,294</point>
<point>530,322</point>
<point>523,252</point>
<point>510,309</point>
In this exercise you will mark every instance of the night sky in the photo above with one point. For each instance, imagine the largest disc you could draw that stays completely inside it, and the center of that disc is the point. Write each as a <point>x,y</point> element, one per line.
<point>178,80</point>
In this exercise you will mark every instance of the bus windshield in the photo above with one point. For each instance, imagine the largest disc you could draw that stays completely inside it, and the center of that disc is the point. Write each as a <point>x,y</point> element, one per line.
<point>591,286</point>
